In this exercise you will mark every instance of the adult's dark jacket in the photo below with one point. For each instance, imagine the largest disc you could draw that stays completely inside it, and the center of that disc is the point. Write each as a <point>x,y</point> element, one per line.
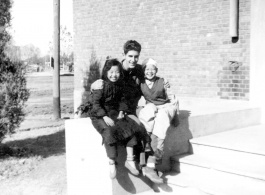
<point>133,79</point>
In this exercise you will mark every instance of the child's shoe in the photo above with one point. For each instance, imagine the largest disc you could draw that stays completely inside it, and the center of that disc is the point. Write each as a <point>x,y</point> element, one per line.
<point>113,170</point>
<point>132,169</point>
<point>148,148</point>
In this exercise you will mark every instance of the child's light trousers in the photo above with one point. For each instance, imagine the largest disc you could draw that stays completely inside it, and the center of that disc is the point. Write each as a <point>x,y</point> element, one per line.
<point>157,119</point>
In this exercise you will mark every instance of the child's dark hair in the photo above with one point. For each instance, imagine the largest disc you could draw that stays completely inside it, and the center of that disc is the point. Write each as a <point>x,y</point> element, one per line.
<point>132,45</point>
<point>108,64</point>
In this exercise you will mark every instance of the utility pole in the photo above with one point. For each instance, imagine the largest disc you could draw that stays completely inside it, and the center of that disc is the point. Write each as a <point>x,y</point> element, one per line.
<point>56,56</point>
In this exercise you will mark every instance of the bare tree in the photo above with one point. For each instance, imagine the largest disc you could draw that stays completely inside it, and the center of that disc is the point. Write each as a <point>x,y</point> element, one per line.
<point>66,47</point>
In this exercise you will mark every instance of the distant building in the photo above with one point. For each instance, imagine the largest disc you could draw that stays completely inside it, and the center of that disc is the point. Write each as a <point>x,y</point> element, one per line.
<point>47,64</point>
<point>34,68</point>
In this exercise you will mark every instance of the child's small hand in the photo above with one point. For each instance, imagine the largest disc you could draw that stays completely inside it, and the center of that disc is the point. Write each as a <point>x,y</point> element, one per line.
<point>108,121</point>
<point>176,103</point>
<point>121,115</point>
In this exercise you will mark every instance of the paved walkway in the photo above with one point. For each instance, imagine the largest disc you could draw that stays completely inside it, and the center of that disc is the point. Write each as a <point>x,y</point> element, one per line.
<point>49,73</point>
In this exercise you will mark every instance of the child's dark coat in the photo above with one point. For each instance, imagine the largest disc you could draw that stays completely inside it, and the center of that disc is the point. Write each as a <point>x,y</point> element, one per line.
<point>108,102</point>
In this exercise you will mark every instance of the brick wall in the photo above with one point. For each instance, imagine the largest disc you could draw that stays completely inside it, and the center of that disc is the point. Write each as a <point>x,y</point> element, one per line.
<point>189,39</point>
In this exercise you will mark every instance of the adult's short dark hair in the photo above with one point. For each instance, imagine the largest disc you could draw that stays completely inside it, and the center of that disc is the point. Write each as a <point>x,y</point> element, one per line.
<point>132,45</point>
<point>107,66</point>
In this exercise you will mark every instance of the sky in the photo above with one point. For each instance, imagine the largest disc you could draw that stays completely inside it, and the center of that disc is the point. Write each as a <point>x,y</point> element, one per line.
<point>32,21</point>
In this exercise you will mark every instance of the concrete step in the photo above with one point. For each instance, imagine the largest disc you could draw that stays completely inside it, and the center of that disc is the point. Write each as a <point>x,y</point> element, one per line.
<point>216,183</point>
<point>202,117</point>
<point>166,189</point>
<point>240,151</point>
<point>207,183</point>
<point>225,163</point>
<point>238,166</point>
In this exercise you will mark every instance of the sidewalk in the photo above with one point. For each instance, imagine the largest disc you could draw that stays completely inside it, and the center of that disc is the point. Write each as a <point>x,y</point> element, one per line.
<point>42,121</point>
<point>48,73</point>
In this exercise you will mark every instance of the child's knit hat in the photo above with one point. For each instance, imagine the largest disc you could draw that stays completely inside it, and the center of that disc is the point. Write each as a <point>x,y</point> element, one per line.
<point>149,61</point>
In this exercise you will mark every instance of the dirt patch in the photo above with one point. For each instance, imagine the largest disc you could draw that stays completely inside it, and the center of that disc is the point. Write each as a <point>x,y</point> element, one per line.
<point>13,166</point>
<point>48,178</point>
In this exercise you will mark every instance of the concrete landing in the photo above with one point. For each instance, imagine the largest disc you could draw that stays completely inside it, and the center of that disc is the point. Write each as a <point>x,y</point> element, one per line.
<point>203,106</point>
<point>250,139</point>
<point>209,116</point>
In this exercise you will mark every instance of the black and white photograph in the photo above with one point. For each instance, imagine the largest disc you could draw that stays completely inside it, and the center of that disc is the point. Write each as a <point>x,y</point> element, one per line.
<point>123,97</point>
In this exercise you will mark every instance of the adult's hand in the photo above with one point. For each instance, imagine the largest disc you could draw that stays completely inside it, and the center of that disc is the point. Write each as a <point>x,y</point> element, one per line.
<point>98,84</point>
<point>108,121</point>
<point>166,83</point>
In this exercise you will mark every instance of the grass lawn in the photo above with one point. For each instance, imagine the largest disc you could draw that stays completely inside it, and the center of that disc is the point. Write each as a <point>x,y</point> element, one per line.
<point>36,163</point>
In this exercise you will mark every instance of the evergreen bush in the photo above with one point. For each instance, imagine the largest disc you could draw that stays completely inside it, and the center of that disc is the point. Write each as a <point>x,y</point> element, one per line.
<point>13,91</point>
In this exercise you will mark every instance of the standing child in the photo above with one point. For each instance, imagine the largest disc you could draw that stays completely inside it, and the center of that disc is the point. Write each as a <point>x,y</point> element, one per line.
<point>160,109</point>
<point>107,115</point>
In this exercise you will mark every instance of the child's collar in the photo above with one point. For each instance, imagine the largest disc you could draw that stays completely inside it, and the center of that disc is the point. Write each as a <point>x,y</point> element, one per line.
<point>152,80</point>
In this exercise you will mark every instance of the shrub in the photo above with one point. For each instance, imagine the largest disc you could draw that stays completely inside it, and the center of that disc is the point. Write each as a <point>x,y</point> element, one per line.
<point>13,91</point>
<point>13,95</point>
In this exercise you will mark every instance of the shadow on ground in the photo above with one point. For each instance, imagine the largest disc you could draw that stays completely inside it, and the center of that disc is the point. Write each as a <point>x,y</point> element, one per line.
<point>67,74</point>
<point>44,146</point>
